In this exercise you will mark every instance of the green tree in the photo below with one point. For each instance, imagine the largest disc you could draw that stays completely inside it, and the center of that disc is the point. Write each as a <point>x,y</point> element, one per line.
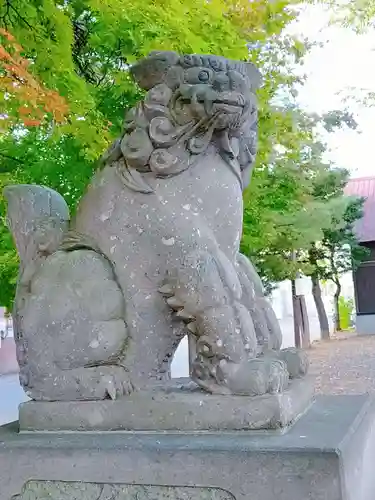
<point>284,209</point>
<point>329,185</point>
<point>27,101</point>
<point>342,251</point>
<point>356,14</point>
<point>298,204</point>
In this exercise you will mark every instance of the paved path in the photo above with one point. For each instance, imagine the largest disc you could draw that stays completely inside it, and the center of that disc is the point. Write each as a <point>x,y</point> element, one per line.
<point>11,395</point>
<point>345,365</point>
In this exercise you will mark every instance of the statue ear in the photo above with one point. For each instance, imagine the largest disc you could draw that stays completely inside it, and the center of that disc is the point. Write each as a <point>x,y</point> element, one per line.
<point>152,70</point>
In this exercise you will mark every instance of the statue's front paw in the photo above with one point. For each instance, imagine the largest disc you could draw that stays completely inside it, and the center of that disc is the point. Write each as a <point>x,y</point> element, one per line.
<point>296,360</point>
<point>254,377</point>
<point>111,382</point>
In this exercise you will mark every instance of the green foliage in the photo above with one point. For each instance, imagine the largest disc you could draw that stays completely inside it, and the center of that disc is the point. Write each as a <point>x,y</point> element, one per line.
<point>356,14</point>
<point>346,307</point>
<point>340,249</point>
<point>291,202</point>
<point>8,260</point>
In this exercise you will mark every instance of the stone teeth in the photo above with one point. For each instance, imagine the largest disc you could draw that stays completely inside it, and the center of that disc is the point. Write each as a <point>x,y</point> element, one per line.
<point>183,314</point>
<point>166,290</point>
<point>111,391</point>
<point>192,327</point>
<point>174,303</point>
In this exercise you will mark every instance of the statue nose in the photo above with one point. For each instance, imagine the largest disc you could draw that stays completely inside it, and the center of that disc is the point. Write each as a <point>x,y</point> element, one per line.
<point>221,82</point>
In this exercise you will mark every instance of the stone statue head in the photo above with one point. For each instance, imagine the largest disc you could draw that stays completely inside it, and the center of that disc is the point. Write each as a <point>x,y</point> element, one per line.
<point>193,102</point>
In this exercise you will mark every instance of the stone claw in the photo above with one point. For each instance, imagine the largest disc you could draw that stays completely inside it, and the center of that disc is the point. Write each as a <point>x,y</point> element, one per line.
<point>184,315</point>
<point>192,327</point>
<point>113,382</point>
<point>174,303</point>
<point>166,290</point>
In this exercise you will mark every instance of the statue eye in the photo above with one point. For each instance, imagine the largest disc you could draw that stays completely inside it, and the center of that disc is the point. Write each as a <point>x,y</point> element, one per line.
<point>198,75</point>
<point>204,76</point>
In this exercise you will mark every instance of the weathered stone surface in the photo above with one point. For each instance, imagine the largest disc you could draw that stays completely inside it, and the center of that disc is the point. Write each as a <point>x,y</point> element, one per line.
<point>152,254</point>
<point>328,454</point>
<point>59,490</point>
<point>174,406</point>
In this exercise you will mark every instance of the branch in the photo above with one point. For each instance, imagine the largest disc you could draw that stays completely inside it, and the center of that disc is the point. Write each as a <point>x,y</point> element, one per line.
<point>9,7</point>
<point>110,56</point>
<point>334,272</point>
<point>11,158</point>
<point>19,15</point>
<point>4,17</point>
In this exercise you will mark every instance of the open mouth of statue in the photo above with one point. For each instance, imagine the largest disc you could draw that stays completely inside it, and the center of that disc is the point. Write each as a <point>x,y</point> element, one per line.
<point>229,102</point>
<point>224,106</point>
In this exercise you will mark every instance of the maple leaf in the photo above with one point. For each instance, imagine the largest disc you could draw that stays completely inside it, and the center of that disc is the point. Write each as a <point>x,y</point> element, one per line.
<point>34,99</point>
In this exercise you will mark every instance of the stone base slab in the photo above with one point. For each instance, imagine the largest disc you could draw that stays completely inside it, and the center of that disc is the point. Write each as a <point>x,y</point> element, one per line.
<point>180,406</point>
<point>328,454</point>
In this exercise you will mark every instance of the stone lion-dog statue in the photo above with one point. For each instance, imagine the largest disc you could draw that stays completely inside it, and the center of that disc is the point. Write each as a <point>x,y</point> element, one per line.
<point>152,254</point>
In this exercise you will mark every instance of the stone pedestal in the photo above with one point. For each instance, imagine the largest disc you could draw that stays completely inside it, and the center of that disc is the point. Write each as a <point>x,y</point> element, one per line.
<point>328,454</point>
<point>178,405</point>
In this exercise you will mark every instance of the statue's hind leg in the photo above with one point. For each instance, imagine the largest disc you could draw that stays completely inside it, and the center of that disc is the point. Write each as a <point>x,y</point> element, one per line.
<point>95,383</point>
<point>71,333</point>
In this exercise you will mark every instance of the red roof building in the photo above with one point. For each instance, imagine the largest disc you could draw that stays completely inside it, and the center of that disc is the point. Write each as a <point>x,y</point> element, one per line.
<point>364,275</point>
<point>364,187</point>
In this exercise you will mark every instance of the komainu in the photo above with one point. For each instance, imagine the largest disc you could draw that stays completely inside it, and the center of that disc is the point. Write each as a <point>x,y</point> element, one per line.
<point>152,254</point>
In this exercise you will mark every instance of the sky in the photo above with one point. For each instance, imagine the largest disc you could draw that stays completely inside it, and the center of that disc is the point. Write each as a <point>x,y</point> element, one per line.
<point>344,65</point>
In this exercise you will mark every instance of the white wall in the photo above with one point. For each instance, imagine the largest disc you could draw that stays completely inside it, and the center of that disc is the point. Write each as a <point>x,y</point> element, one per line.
<point>281,300</point>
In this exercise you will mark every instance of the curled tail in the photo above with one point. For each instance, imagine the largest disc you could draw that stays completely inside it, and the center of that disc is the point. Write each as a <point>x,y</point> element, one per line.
<point>69,312</point>
<point>37,218</point>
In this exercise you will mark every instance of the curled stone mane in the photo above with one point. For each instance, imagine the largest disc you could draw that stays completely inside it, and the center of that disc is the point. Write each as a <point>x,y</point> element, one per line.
<point>193,103</point>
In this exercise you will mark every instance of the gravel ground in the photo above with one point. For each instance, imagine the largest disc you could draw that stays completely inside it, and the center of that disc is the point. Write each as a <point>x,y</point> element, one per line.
<point>345,364</point>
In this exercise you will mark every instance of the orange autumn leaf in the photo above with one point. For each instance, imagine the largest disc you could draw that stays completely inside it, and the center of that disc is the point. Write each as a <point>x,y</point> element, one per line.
<point>4,55</point>
<point>23,110</point>
<point>31,122</point>
<point>36,102</point>
<point>7,35</point>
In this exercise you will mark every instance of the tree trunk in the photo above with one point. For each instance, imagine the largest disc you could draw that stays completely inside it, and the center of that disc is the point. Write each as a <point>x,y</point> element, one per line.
<point>336,305</point>
<point>296,316</point>
<point>322,315</point>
